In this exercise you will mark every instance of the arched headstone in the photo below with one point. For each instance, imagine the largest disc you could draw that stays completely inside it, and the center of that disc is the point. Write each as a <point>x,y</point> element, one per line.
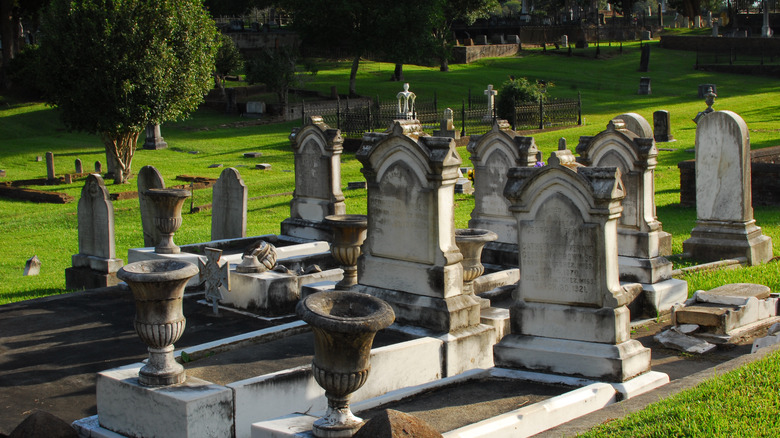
<point>149,178</point>
<point>228,206</point>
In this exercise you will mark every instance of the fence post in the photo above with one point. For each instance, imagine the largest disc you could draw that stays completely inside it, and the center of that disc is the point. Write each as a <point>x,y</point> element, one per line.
<point>463,119</point>
<point>469,99</point>
<point>338,112</point>
<point>514,112</point>
<point>303,112</point>
<point>579,108</point>
<point>368,118</point>
<point>435,103</point>
<point>541,113</point>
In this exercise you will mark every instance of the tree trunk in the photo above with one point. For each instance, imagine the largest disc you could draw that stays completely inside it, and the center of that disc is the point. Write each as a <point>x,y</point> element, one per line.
<point>444,64</point>
<point>121,147</point>
<point>398,73</point>
<point>7,27</point>
<point>353,76</point>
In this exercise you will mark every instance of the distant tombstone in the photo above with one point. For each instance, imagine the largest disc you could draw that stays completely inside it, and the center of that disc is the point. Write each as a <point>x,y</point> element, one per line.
<point>662,125</point>
<point>149,178</point>
<point>481,40</point>
<point>644,60</point>
<point>493,154</point>
<point>564,41</point>
<point>410,258</point>
<point>491,102</point>
<point>154,139</point>
<point>215,276</point>
<point>38,158</point>
<point>229,206</point>
<point>68,178</point>
<point>569,314</point>
<point>725,227</point>
<point>512,39</point>
<point>697,21</point>
<point>642,244</point>
<point>96,264</point>
<point>317,150</point>
<point>704,88</point>
<point>50,174</point>
<point>644,86</point>
<point>79,167</point>
<point>715,29</point>
<point>32,266</point>
<point>98,167</point>
<point>255,107</point>
<point>447,126</point>
<point>406,100</point>
<point>646,35</point>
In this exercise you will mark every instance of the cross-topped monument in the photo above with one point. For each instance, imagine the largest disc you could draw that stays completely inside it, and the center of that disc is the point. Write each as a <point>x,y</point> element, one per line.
<point>491,101</point>
<point>406,100</point>
<point>216,275</point>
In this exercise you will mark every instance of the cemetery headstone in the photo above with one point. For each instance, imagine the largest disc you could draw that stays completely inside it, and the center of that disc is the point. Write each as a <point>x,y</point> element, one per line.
<point>492,155</point>
<point>229,206</point>
<point>725,227</point>
<point>38,158</point>
<point>642,244</point>
<point>406,100</point>
<point>149,178</point>
<point>317,150</point>
<point>79,166</point>
<point>154,139</point>
<point>644,86</point>
<point>491,102</point>
<point>68,178</point>
<point>644,60</point>
<point>50,174</point>
<point>569,315</point>
<point>96,264</point>
<point>98,167</point>
<point>636,124</point>
<point>32,266</point>
<point>565,41</point>
<point>447,126</point>
<point>662,124</point>
<point>215,275</point>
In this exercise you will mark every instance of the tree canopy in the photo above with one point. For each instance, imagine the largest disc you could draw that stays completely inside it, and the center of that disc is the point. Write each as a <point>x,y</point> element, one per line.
<point>114,66</point>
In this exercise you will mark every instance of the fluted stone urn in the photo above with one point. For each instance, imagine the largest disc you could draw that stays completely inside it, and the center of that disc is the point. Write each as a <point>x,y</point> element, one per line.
<point>158,290</point>
<point>167,205</point>
<point>349,233</point>
<point>344,324</point>
<point>470,242</point>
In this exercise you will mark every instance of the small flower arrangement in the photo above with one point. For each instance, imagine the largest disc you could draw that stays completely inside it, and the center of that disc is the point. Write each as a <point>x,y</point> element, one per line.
<point>470,175</point>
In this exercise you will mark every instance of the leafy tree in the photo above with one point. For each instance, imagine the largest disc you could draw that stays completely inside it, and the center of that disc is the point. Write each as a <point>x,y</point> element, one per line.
<point>515,91</point>
<point>228,59</point>
<point>406,34</point>
<point>278,70</point>
<point>12,13</point>
<point>447,12</point>
<point>112,67</point>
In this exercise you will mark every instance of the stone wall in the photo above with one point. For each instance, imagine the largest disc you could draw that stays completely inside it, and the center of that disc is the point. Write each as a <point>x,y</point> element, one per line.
<point>467,54</point>
<point>765,178</point>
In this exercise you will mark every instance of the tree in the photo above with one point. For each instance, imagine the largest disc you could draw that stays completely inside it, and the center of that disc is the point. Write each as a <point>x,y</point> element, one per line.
<point>516,91</point>
<point>278,70</point>
<point>408,39</point>
<point>228,59</point>
<point>12,13</point>
<point>447,12</point>
<point>112,67</point>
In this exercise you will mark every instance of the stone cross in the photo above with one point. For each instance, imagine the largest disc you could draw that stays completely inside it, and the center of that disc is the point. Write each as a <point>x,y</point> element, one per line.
<point>491,99</point>
<point>406,100</point>
<point>216,274</point>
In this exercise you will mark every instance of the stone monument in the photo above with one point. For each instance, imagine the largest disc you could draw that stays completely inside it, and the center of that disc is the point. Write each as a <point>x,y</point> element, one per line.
<point>447,126</point>
<point>662,126</point>
<point>725,227</point>
<point>50,173</point>
<point>570,315</point>
<point>406,100</point>
<point>229,205</point>
<point>96,264</point>
<point>317,150</point>
<point>154,138</point>
<point>493,154</point>
<point>149,178</point>
<point>491,102</point>
<point>642,244</point>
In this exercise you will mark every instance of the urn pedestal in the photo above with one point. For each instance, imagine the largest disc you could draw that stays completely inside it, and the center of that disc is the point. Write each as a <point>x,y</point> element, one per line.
<point>167,218</point>
<point>470,242</point>
<point>158,290</point>
<point>349,232</point>
<point>344,324</point>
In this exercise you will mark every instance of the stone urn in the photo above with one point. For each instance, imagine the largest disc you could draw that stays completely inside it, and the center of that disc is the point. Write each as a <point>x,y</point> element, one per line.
<point>470,242</point>
<point>167,218</point>
<point>349,232</point>
<point>158,289</point>
<point>344,324</point>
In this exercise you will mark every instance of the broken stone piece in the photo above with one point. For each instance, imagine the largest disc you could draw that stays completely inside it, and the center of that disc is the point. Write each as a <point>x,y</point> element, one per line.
<point>736,294</point>
<point>263,166</point>
<point>32,266</point>
<point>678,341</point>
<point>253,154</point>
<point>686,329</point>
<point>311,270</point>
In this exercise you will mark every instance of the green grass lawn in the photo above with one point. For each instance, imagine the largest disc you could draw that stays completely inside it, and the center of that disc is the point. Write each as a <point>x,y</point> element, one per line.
<point>608,86</point>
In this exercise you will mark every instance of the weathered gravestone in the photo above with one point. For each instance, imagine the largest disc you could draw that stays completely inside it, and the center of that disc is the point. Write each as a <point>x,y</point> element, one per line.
<point>642,243</point>
<point>79,167</point>
<point>493,154</point>
<point>154,139</point>
<point>644,86</point>
<point>570,315</point>
<point>317,149</point>
<point>96,264</point>
<point>410,258</point>
<point>636,124</point>
<point>228,206</point>
<point>644,60</point>
<point>98,167</point>
<point>149,178</point>
<point>725,227</point>
<point>50,174</point>
<point>662,126</point>
<point>447,126</point>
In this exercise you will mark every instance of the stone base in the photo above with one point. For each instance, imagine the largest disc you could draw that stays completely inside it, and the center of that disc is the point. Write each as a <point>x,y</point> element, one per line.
<point>467,349</point>
<point>271,292</point>
<point>716,240</point>
<point>659,298</point>
<point>86,278</point>
<point>644,270</point>
<point>497,318</point>
<point>196,408</point>
<point>558,321</point>
<point>440,315</point>
<point>501,254</point>
<point>155,144</point>
<point>664,244</point>
<point>605,362</point>
<point>304,229</point>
